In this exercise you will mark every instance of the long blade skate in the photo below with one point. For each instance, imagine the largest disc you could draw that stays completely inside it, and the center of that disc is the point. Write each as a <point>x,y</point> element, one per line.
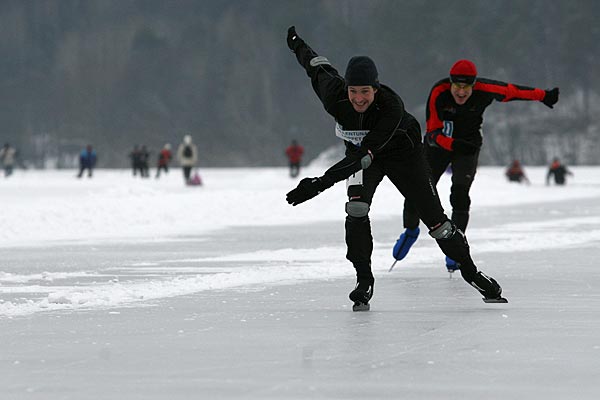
<point>496,300</point>
<point>392,267</point>
<point>361,306</point>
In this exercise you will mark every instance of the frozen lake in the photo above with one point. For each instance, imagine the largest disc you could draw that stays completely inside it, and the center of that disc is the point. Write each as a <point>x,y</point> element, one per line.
<point>117,288</point>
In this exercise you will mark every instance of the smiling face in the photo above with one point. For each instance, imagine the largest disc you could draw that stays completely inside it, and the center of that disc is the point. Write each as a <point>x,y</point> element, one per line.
<point>361,97</point>
<point>461,92</point>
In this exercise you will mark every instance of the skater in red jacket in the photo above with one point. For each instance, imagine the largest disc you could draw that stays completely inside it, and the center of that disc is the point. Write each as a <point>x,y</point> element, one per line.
<point>454,114</point>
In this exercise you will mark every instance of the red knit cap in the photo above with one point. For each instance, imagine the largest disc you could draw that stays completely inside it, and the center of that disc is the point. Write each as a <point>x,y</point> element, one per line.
<point>463,71</point>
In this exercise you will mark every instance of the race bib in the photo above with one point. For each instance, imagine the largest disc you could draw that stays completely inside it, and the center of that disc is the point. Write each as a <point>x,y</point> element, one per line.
<point>355,179</point>
<point>354,137</point>
<point>448,128</point>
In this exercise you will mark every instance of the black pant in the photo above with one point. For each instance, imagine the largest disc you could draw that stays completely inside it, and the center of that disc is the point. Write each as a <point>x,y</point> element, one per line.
<point>187,171</point>
<point>411,176</point>
<point>464,168</point>
<point>82,169</point>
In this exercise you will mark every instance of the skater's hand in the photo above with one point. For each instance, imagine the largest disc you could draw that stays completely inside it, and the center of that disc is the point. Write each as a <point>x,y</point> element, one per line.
<point>307,189</point>
<point>293,40</point>
<point>464,147</point>
<point>551,97</point>
<point>437,139</point>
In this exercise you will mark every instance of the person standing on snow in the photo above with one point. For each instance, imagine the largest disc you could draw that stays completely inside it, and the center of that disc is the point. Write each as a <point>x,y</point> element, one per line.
<point>381,139</point>
<point>454,114</point>
<point>187,154</point>
<point>134,156</point>
<point>144,166</point>
<point>87,160</point>
<point>559,171</point>
<point>164,158</point>
<point>7,157</point>
<point>294,153</point>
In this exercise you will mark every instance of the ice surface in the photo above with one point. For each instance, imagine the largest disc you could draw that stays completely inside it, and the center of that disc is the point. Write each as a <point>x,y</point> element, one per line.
<point>116,288</point>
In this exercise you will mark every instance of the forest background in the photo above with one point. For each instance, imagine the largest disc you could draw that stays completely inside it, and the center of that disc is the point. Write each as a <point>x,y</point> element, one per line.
<point>115,73</point>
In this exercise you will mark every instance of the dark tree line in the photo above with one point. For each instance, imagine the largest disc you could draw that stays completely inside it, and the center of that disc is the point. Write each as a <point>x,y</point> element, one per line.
<point>116,73</point>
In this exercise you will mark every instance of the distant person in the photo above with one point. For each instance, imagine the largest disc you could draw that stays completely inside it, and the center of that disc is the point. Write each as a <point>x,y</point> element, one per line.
<point>294,153</point>
<point>559,171</point>
<point>515,173</point>
<point>187,154</point>
<point>164,158</point>
<point>134,156</point>
<point>454,113</point>
<point>382,140</point>
<point>7,156</point>
<point>144,162</point>
<point>87,160</point>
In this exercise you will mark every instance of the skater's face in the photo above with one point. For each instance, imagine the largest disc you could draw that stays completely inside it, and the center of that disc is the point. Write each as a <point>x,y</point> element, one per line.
<point>361,97</point>
<point>461,92</point>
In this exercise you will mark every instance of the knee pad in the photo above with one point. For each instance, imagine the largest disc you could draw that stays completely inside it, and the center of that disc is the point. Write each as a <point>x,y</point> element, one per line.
<point>357,209</point>
<point>459,197</point>
<point>444,231</point>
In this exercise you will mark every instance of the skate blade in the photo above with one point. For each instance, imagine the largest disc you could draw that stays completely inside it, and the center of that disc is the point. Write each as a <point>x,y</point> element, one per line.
<point>498,300</point>
<point>361,307</point>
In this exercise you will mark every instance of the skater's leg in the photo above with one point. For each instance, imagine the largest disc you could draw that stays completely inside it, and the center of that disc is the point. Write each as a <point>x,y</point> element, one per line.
<point>464,168</point>
<point>454,244</point>
<point>358,230</point>
<point>418,188</point>
<point>434,168</point>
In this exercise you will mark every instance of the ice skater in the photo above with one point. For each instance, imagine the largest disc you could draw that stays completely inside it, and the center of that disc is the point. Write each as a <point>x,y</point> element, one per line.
<point>454,114</point>
<point>559,171</point>
<point>381,139</point>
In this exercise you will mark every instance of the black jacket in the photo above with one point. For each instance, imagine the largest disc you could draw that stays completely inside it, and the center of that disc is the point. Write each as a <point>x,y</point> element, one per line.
<point>391,130</point>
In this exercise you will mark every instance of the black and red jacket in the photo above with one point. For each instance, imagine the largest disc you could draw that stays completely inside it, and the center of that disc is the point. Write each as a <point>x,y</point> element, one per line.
<point>447,120</point>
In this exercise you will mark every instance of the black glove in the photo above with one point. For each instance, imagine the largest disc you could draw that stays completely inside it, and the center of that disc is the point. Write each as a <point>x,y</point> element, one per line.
<point>463,147</point>
<point>307,189</point>
<point>293,40</point>
<point>551,97</point>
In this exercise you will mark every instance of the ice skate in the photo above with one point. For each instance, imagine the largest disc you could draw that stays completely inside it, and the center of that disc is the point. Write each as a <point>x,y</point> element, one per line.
<point>361,295</point>
<point>489,288</point>
<point>452,266</point>
<point>405,242</point>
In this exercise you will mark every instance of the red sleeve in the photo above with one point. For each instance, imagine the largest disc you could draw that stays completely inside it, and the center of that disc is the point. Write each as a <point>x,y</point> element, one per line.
<point>434,121</point>
<point>507,91</point>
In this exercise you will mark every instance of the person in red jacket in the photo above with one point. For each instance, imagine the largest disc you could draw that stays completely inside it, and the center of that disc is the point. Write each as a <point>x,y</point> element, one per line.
<point>294,153</point>
<point>164,158</point>
<point>454,114</point>
<point>515,173</point>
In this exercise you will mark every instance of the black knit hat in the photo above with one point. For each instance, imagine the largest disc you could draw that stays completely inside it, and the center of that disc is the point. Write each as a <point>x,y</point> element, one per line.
<point>361,71</point>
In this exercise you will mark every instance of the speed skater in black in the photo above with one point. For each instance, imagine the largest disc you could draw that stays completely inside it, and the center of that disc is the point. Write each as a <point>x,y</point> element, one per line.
<point>381,139</point>
<point>454,117</point>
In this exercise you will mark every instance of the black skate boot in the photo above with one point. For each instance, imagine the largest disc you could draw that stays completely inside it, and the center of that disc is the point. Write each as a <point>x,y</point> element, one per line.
<point>361,295</point>
<point>489,288</point>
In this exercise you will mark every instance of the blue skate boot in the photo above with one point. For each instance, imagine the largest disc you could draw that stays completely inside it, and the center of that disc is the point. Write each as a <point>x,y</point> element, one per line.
<point>404,243</point>
<point>451,265</point>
